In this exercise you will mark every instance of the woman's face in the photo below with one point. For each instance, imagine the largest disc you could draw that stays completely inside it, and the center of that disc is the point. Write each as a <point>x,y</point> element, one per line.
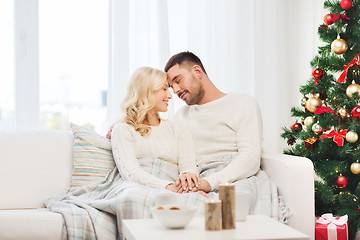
<point>162,97</point>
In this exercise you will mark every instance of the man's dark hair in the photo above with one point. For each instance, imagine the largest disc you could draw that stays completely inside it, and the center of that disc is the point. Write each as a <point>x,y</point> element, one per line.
<point>184,57</point>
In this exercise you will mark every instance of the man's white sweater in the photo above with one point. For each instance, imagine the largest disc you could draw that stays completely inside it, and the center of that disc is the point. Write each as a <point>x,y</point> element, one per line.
<point>230,125</point>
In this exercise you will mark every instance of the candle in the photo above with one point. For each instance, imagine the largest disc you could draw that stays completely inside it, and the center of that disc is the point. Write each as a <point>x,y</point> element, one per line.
<point>227,197</point>
<point>213,219</point>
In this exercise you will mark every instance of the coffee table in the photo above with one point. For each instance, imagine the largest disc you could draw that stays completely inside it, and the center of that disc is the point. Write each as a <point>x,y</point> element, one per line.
<point>255,227</point>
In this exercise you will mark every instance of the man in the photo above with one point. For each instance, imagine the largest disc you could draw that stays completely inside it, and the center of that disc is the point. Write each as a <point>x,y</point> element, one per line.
<point>226,128</point>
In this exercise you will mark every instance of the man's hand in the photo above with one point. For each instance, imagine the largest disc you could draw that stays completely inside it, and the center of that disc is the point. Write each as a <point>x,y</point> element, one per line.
<point>203,193</point>
<point>171,187</point>
<point>187,182</point>
<point>204,186</point>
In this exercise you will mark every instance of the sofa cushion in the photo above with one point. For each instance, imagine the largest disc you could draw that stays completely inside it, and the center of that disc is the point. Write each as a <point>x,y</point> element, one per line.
<point>35,165</point>
<point>32,224</point>
<point>92,156</point>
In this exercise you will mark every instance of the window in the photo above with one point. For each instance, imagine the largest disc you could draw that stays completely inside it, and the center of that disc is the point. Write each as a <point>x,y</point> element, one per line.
<point>7,99</point>
<point>73,39</point>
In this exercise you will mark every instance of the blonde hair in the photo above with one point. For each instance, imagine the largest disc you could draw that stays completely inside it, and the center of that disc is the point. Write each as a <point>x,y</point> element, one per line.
<point>140,97</point>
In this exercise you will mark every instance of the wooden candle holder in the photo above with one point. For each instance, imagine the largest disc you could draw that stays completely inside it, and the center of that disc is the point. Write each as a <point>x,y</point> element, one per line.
<point>213,220</point>
<point>227,197</point>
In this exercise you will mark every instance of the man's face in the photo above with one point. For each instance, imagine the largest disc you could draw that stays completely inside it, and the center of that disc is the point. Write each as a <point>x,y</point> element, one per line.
<point>185,84</point>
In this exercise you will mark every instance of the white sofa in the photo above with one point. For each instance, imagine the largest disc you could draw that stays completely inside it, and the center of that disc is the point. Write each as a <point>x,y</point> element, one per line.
<point>37,164</point>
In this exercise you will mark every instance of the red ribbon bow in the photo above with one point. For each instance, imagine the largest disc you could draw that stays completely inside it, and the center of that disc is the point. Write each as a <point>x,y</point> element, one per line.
<point>338,137</point>
<point>322,109</point>
<point>346,68</point>
<point>340,16</point>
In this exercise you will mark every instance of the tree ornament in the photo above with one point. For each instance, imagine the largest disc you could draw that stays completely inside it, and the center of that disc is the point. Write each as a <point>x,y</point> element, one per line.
<point>323,109</point>
<point>346,4</point>
<point>312,103</point>
<point>309,121</point>
<point>323,28</point>
<point>355,168</point>
<point>342,112</point>
<point>316,128</point>
<point>296,127</point>
<point>353,88</point>
<point>317,73</point>
<point>338,137</point>
<point>355,113</point>
<point>303,101</point>
<point>328,19</point>
<point>342,76</point>
<point>341,181</point>
<point>311,143</point>
<point>301,121</point>
<point>351,136</point>
<point>339,46</point>
<point>291,140</point>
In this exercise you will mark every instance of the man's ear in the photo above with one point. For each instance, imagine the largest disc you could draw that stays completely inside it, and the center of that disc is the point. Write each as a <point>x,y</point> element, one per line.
<point>197,71</point>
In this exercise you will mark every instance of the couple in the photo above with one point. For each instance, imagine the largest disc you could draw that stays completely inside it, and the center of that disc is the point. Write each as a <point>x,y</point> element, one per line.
<point>226,129</point>
<point>150,153</point>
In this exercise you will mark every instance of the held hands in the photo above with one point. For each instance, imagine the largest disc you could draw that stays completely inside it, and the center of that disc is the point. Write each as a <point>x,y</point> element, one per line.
<point>188,182</point>
<point>191,182</point>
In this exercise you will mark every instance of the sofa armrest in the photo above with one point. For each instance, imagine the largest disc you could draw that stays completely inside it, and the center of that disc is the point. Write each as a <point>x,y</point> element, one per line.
<point>294,177</point>
<point>34,165</point>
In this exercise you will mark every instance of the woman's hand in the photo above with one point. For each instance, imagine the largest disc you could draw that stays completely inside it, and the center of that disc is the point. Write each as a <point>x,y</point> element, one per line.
<point>204,186</point>
<point>188,182</point>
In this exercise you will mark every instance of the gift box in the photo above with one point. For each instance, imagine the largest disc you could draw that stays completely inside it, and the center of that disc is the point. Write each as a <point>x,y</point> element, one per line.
<point>333,228</point>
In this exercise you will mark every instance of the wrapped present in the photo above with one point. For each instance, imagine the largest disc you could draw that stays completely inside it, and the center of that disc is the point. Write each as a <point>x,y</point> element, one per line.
<point>333,228</point>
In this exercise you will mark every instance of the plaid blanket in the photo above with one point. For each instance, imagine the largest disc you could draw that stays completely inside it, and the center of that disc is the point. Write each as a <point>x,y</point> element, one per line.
<point>96,211</point>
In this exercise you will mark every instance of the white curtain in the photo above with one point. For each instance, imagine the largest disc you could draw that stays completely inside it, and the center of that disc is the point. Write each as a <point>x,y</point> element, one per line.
<point>138,37</point>
<point>259,47</point>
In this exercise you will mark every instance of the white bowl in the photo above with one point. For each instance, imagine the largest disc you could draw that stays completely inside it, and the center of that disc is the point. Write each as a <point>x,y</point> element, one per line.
<point>178,218</point>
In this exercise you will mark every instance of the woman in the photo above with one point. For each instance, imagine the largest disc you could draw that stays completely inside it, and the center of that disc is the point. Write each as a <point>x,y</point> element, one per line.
<point>147,149</point>
<point>149,153</point>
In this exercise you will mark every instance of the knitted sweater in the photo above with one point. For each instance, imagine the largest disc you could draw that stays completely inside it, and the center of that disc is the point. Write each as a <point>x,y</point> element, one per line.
<point>230,125</point>
<point>170,141</point>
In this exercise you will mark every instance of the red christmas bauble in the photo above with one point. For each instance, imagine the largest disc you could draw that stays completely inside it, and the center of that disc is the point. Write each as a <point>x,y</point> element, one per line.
<point>296,127</point>
<point>328,19</point>
<point>341,182</point>
<point>317,73</point>
<point>346,4</point>
<point>355,113</point>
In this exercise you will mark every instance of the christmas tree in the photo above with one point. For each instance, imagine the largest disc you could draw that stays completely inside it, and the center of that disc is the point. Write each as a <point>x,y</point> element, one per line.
<point>327,123</point>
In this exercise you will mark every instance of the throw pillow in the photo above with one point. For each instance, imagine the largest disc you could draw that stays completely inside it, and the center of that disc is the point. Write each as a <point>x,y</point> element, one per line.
<point>92,156</point>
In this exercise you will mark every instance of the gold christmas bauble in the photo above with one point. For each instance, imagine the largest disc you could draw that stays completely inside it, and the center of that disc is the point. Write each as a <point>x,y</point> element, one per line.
<point>309,121</point>
<point>339,46</point>
<point>353,88</point>
<point>312,103</point>
<point>355,168</point>
<point>351,136</point>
